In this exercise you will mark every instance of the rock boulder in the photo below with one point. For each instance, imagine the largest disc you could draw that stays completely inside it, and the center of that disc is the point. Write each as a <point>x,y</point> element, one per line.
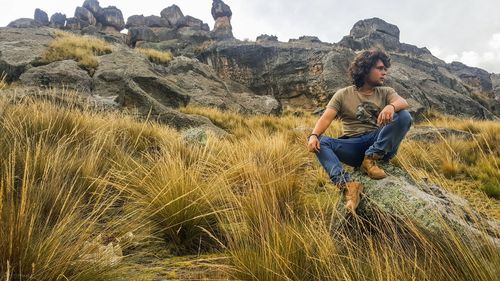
<point>426,205</point>
<point>41,17</point>
<point>58,20</point>
<point>173,14</point>
<point>65,74</point>
<point>23,23</point>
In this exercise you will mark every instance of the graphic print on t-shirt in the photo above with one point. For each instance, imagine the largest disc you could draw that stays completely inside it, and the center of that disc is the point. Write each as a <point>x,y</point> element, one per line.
<point>367,112</point>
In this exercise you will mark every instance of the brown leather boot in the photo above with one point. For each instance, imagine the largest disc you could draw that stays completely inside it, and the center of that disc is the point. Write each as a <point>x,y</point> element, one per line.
<point>353,191</point>
<point>370,167</point>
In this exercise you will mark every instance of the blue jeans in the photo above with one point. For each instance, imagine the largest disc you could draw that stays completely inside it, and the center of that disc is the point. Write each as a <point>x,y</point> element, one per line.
<point>384,142</point>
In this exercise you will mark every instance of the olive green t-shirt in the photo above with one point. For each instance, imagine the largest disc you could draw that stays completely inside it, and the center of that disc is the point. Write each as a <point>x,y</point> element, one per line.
<point>359,112</point>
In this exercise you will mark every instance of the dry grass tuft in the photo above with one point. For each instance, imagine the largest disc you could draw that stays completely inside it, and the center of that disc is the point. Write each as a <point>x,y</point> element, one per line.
<point>82,49</point>
<point>155,56</point>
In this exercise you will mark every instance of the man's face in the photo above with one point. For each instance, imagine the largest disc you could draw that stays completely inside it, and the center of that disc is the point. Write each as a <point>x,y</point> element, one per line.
<point>376,77</point>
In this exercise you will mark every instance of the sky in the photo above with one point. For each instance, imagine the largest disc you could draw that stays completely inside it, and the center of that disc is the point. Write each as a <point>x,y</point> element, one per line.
<point>466,30</point>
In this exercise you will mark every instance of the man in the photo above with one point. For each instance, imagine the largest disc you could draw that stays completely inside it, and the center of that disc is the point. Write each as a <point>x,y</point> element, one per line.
<point>374,122</point>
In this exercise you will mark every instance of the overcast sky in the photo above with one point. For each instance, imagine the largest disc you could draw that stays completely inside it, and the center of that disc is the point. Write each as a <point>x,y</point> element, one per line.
<point>464,30</point>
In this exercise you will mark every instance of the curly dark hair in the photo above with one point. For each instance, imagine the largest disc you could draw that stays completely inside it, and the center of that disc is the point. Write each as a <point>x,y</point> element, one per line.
<point>362,64</point>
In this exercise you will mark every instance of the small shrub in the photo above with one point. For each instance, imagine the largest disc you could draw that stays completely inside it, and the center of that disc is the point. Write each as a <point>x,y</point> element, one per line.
<point>492,188</point>
<point>156,56</point>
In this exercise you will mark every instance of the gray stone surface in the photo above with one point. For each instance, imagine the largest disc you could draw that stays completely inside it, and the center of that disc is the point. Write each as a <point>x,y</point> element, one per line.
<point>58,20</point>
<point>112,16</point>
<point>306,74</point>
<point>85,15</point>
<point>156,21</point>
<point>23,23</point>
<point>20,49</point>
<point>432,134</point>
<point>141,33</point>
<point>222,29</point>
<point>173,14</point>
<point>426,205</point>
<point>94,7</point>
<point>135,21</point>
<point>65,74</point>
<point>220,9</point>
<point>41,17</point>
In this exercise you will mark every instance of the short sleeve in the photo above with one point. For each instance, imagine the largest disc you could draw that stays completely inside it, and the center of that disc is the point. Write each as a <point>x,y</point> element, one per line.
<point>391,95</point>
<point>336,101</point>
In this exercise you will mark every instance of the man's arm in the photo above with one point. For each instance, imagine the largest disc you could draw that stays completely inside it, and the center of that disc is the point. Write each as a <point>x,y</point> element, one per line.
<point>399,104</point>
<point>388,111</point>
<point>324,121</point>
<point>321,125</point>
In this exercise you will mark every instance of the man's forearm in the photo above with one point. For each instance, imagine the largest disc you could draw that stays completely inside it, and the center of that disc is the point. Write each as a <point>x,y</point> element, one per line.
<point>400,104</point>
<point>321,126</point>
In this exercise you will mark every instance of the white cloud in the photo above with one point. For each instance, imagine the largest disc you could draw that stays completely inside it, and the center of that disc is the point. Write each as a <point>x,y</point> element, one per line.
<point>435,51</point>
<point>471,58</point>
<point>494,42</point>
<point>451,57</point>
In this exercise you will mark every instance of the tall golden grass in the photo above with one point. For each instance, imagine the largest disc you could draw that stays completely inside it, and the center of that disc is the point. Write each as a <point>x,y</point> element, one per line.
<point>3,82</point>
<point>70,174</point>
<point>83,49</point>
<point>155,56</point>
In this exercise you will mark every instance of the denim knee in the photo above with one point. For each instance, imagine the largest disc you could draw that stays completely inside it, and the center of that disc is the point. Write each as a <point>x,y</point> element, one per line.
<point>404,118</point>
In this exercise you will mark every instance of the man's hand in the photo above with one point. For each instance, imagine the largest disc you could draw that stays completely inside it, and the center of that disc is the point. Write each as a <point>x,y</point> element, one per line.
<point>385,116</point>
<point>313,144</point>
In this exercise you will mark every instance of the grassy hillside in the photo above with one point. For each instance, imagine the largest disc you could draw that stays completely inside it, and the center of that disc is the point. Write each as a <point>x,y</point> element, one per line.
<point>93,195</point>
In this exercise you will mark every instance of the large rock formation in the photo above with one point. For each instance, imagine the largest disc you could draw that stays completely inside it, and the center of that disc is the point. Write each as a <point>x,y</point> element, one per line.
<point>222,16</point>
<point>112,17</point>
<point>304,72</point>
<point>65,74</point>
<point>58,20</point>
<point>21,50</point>
<point>41,17</point>
<point>23,23</point>
<point>172,14</point>
<point>85,15</point>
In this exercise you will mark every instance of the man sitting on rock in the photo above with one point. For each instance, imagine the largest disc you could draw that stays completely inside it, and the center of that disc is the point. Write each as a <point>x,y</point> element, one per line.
<point>374,122</point>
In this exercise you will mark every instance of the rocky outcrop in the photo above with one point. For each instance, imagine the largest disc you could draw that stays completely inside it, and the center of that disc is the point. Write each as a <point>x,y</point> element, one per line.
<point>294,73</point>
<point>376,32</point>
<point>125,74</point>
<point>41,17</point>
<point>426,205</point>
<point>21,49</point>
<point>477,79</point>
<point>172,14</point>
<point>306,72</point>
<point>198,79</point>
<point>75,24</point>
<point>65,74</point>
<point>113,17</point>
<point>140,33</point>
<point>58,20</point>
<point>94,7</point>
<point>85,15</point>
<point>23,23</point>
<point>222,16</point>
<point>220,9</point>
<point>156,21</point>
<point>266,38</point>
<point>433,134</point>
<point>495,83</point>
<point>306,39</point>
